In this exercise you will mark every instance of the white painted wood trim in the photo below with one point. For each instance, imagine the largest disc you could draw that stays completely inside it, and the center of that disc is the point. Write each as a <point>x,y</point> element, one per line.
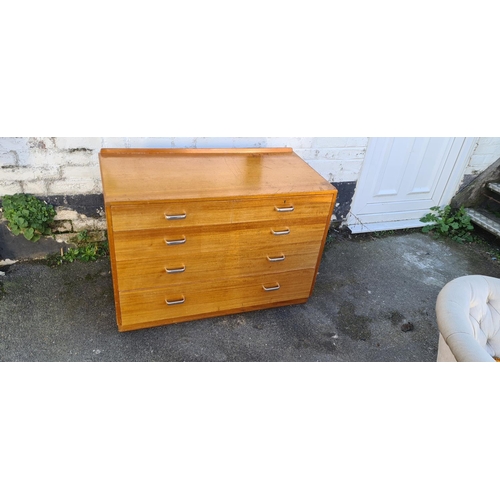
<point>352,222</point>
<point>370,227</point>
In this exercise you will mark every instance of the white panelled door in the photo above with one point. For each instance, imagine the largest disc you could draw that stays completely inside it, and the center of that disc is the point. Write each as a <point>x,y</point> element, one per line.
<point>402,178</point>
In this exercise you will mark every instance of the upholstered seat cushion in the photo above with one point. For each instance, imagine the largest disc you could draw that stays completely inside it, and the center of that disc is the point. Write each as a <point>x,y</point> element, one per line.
<point>468,316</point>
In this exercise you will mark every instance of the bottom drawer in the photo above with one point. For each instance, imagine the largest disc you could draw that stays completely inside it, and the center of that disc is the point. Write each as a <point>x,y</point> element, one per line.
<point>195,299</point>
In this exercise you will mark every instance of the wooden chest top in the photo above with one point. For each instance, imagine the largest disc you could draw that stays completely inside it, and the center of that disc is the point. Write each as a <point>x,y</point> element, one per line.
<point>142,175</point>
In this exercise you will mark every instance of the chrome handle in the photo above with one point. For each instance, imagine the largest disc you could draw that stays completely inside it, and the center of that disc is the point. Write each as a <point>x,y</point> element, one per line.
<point>285,209</point>
<point>272,288</point>
<point>175,242</point>
<point>276,259</point>
<point>175,217</point>
<point>175,302</point>
<point>280,233</point>
<point>178,270</point>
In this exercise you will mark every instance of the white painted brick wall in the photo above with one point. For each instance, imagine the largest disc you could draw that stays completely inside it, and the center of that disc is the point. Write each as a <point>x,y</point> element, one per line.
<point>249,142</point>
<point>8,158</point>
<point>13,143</point>
<point>114,142</point>
<point>30,174</point>
<point>38,187</point>
<point>9,187</point>
<point>186,142</point>
<point>81,172</point>
<point>339,142</point>
<point>337,171</point>
<point>229,142</point>
<point>290,142</point>
<point>92,143</point>
<point>332,153</point>
<point>72,186</point>
<point>486,152</point>
<point>50,165</point>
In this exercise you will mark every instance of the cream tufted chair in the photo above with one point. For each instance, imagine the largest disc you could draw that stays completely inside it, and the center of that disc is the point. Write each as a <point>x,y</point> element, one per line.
<point>468,317</point>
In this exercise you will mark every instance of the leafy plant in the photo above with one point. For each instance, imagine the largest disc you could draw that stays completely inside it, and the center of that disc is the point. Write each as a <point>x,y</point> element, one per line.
<point>455,224</point>
<point>87,250</point>
<point>83,237</point>
<point>71,255</point>
<point>28,215</point>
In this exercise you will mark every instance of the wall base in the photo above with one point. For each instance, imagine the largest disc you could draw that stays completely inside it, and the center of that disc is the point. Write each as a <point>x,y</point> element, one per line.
<point>74,214</point>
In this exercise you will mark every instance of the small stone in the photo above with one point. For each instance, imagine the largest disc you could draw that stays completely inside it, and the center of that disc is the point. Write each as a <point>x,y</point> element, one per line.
<point>65,237</point>
<point>62,227</point>
<point>65,214</point>
<point>84,223</point>
<point>406,327</point>
<point>7,262</point>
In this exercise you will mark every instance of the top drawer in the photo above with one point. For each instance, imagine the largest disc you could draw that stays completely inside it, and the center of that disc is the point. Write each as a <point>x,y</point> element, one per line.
<point>179,214</point>
<point>282,208</point>
<point>170,215</point>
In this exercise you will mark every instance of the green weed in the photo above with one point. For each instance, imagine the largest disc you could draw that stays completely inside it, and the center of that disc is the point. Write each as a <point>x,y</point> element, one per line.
<point>28,215</point>
<point>87,250</point>
<point>455,224</point>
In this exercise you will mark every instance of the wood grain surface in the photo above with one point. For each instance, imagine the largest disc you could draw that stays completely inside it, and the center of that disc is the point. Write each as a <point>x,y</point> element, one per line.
<point>208,231</point>
<point>142,175</point>
<point>202,298</point>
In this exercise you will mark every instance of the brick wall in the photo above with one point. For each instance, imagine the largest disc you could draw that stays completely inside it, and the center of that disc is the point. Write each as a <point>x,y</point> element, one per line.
<point>486,152</point>
<point>48,166</point>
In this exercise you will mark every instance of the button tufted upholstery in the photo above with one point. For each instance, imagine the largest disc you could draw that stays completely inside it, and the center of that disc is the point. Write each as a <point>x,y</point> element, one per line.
<point>468,317</point>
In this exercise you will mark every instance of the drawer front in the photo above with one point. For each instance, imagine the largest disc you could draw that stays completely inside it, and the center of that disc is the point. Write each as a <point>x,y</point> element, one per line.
<point>155,244</point>
<point>170,215</point>
<point>282,208</point>
<point>189,268</point>
<point>208,213</point>
<point>205,298</point>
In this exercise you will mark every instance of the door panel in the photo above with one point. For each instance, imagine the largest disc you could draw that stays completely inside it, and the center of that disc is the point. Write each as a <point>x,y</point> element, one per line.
<point>403,177</point>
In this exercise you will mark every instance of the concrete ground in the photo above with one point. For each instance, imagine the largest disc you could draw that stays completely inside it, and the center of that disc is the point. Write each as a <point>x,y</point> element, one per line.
<point>373,301</point>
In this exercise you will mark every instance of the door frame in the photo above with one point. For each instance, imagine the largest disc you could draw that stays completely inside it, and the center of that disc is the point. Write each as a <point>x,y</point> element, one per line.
<point>356,225</point>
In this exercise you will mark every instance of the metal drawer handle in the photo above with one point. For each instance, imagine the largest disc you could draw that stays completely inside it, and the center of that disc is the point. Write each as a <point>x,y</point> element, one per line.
<point>175,217</point>
<point>285,209</point>
<point>176,242</point>
<point>280,233</point>
<point>178,270</point>
<point>276,259</point>
<point>175,302</point>
<point>271,288</point>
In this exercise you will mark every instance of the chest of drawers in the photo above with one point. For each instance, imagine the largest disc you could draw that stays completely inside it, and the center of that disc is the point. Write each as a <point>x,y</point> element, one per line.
<point>195,233</point>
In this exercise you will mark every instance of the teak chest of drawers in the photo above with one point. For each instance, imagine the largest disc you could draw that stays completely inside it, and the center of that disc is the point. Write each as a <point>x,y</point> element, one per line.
<point>195,233</point>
